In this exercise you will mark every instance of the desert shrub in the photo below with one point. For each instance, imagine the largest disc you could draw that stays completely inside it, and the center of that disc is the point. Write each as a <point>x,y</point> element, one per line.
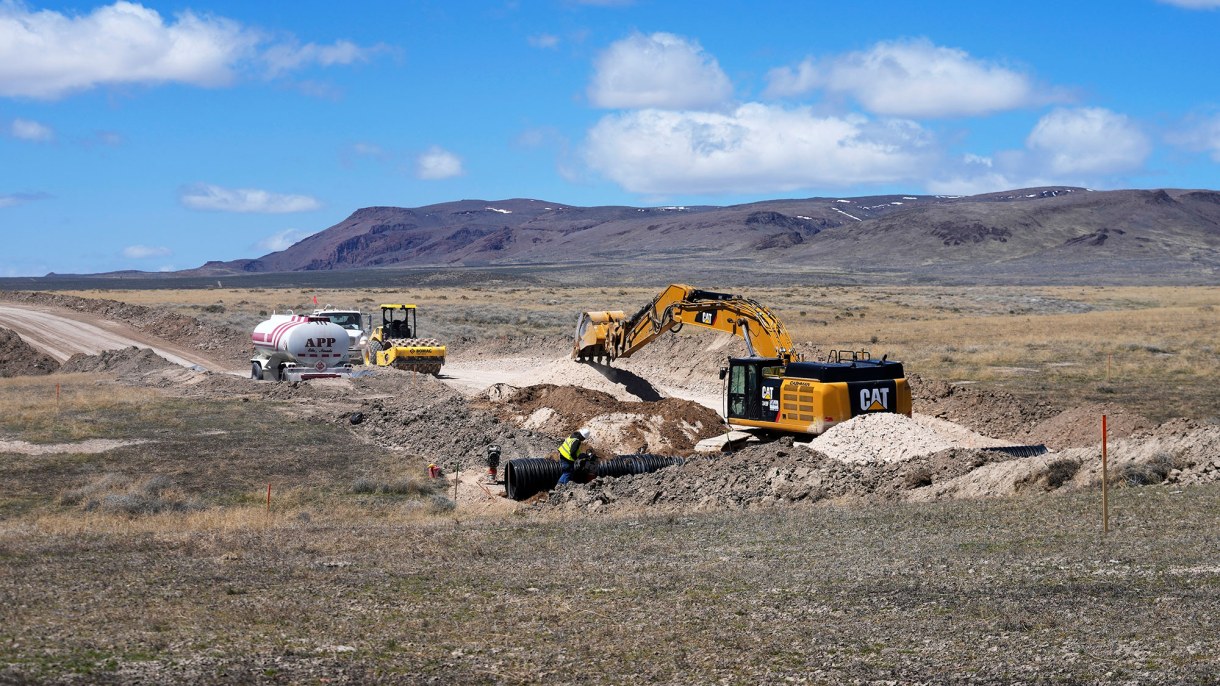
<point>90,491</point>
<point>117,494</point>
<point>1060,472</point>
<point>438,503</point>
<point>407,486</point>
<point>1147,473</point>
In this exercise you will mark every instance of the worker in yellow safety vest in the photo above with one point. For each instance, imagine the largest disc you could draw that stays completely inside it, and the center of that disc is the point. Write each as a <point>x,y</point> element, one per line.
<point>569,451</point>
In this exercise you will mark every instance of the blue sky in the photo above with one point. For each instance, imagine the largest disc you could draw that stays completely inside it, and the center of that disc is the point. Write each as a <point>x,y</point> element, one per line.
<point>160,135</point>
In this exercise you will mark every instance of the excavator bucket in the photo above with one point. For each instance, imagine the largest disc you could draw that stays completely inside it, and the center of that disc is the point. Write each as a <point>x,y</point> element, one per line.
<point>592,331</point>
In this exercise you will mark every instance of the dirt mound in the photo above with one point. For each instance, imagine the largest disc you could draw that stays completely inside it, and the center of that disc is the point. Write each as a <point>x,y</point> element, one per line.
<point>668,425</point>
<point>883,437</point>
<point>891,457</point>
<point>989,412</point>
<point>509,346</point>
<point>18,358</point>
<point>1176,452</point>
<point>1080,427</point>
<point>689,361</point>
<point>434,423</point>
<point>222,343</point>
<point>768,475</point>
<point>121,361</point>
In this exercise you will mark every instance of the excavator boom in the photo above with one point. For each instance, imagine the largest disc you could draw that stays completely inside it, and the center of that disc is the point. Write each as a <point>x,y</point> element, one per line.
<point>608,335</point>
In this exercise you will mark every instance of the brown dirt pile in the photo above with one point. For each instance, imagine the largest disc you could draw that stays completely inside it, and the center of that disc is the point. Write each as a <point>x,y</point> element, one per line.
<point>123,362</point>
<point>668,425</point>
<point>767,475</point>
<point>989,412</point>
<point>222,343</point>
<point>866,470</point>
<point>18,358</point>
<point>1080,426</point>
<point>427,419</point>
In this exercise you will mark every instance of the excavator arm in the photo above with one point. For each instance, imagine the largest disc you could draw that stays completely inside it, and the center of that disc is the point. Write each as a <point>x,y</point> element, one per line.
<point>608,335</point>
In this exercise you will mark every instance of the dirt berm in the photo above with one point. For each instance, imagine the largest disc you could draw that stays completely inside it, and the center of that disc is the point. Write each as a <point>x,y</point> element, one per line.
<point>896,458</point>
<point>17,358</point>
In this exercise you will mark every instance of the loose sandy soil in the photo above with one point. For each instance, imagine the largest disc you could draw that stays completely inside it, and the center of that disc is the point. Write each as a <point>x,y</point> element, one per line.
<point>779,561</point>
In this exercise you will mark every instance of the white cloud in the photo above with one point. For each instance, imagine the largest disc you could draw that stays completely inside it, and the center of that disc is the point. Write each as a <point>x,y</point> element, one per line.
<point>912,78</point>
<point>1088,140</point>
<point>282,240</point>
<point>28,130</point>
<point>544,40</point>
<point>142,252</point>
<point>784,82</point>
<point>360,151</point>
<point>1088,147</point>
<point>755,149</point>
<point>1193,4</point>
<point>1199,134</point>
<point>284,58</point>
<point>437,163</point>
<point>209,197</point>
<point>48,54</point>
<point>657,71</point>
<point>368,150</point>
<point>15,199</point>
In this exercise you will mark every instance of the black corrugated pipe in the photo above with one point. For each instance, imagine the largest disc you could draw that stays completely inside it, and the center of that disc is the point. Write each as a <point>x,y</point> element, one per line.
<point>527,476</point>
<point>635,464</point>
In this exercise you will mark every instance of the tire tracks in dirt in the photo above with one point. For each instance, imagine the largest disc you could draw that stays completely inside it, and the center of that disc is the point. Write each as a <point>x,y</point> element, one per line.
<point>62,333</point>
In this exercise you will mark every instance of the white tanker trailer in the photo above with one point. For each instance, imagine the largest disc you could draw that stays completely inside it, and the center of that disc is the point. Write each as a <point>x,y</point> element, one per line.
<point>294,347</point>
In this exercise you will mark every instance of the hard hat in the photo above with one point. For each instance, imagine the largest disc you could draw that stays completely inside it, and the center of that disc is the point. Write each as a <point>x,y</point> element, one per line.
<point>585,433</point>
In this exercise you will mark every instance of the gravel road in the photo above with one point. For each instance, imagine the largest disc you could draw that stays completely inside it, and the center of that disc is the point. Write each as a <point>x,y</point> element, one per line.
<point>63,333</point>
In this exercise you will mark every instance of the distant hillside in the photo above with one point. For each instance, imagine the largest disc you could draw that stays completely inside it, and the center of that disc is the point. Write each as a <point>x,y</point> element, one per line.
<point>1041,231</point>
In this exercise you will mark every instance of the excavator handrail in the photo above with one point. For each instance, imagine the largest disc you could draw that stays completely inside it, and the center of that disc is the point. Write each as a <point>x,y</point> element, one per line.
<point>609,335</point>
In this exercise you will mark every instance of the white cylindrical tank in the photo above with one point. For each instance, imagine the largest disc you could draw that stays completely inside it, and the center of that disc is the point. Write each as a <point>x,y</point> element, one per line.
<point>308,340</point>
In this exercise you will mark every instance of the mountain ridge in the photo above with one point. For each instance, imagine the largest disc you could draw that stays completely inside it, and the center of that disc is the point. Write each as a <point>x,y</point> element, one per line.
<point>1031,230</point>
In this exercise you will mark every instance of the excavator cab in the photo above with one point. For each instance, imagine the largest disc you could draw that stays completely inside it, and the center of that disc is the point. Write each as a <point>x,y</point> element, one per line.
<point>753,388</point>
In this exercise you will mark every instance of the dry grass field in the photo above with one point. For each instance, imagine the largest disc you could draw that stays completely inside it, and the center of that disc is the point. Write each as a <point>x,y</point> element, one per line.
<point>160,561</point>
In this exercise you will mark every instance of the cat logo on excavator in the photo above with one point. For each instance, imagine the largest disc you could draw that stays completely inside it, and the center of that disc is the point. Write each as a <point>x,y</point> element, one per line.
<point>875,399</point>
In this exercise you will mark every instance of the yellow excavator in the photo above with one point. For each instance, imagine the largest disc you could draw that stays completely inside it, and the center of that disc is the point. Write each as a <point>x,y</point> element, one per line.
<point>396,343</point>
<point>773,387</point>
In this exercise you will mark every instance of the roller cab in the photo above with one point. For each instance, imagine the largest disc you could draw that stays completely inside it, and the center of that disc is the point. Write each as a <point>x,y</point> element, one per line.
<point>396,342</point>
